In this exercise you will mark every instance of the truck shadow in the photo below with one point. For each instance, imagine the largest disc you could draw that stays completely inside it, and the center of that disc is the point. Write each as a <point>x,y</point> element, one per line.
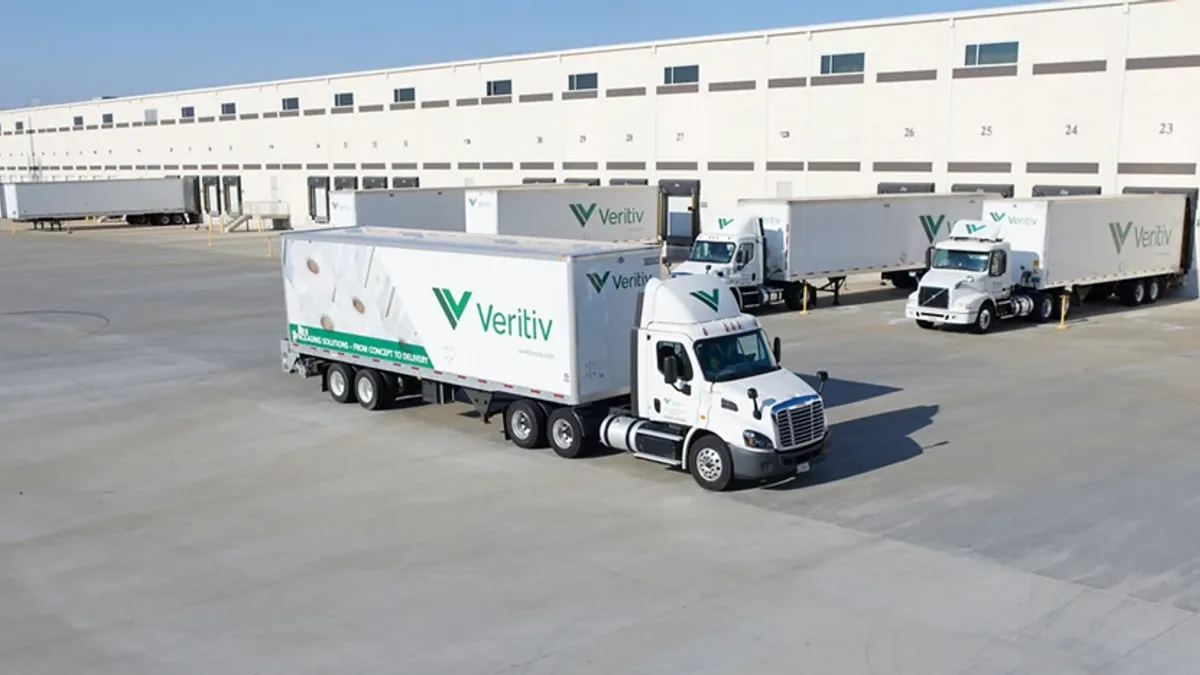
<point>844,392</point>
<point>864,445</point>
<point>1090,311</point>
<point>861,294</point>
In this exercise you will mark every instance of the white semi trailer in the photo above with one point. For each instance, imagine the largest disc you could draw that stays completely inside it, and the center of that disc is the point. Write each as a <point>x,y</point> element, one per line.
<point>570,342</point>
<point>1025,255</point>
<point>776,250</point>
<point>161,201</point>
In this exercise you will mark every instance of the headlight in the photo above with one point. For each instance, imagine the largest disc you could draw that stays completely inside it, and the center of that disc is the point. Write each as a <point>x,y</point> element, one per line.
<point>754,439</point>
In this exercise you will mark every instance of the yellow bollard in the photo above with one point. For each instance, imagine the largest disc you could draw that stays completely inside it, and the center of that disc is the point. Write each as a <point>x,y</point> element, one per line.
<point>1062,313</point>
<point>14,226</point>
<point>210,228</point>
<point>804,301</point>
<point>270,253</point>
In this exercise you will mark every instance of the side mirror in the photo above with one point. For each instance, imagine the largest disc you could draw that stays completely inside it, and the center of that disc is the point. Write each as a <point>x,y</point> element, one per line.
<point>929,257</point>
<point>777,348</point>
<point>752,394</point>
<point>822,377</point>
<point>671,370</point>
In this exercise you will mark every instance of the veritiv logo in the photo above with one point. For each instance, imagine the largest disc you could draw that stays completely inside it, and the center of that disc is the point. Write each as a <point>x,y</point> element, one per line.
<point>711,299</point>
<point>626,216</point>
<point>520,323</point>
<point>973,228</point>
<point>1143,237</point>
<point>932,225</point>
<point>997,216</point>
<point>724,222</point>
<point>599,280</point>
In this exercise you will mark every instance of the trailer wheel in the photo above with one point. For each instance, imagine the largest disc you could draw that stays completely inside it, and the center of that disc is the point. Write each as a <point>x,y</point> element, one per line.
<point>163,219</point>
<point>1043,312</point>
<point>793,296</point>
<point>338,380</point>
<point>985,318</point>
<point>178,219</point>
<point>1153,289</point>
<point>1133,292</point>
<point>525,424</point>
<point>370,388</point>
<point>710,463</point>
<point>566,434</point>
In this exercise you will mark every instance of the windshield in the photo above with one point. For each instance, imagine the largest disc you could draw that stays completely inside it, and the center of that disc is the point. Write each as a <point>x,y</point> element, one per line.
<point>712,252</point>
<point>970,261</point>
<point>732,357</point>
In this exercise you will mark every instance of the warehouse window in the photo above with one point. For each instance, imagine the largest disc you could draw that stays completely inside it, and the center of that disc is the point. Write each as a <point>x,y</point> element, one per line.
<point>19,126</point>
<point>106,118</point>
<point>499,88</point>
<point>344,100</point>
<point>404,95</point>
<point>681,74</point>
<point>228,108</point>
<point>840,64</point>
<point>583,82</point>
<point>151,115</point>
<point>292,103</point>
<point>78,120</point>
<point>992,54</point>
<point>187,112</point>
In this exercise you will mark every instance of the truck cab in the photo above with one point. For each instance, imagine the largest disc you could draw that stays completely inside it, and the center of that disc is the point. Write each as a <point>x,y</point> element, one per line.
<point>709,393</point>
<point>974,280</point>
<point>731,248</point>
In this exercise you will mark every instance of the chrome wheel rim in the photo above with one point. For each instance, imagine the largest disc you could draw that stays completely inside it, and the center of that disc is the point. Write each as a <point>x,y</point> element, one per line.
<point>365,389</point>
<point>708,464</point>
<point>522,424</point>
<point>563,434</point>
<point>337,383</point>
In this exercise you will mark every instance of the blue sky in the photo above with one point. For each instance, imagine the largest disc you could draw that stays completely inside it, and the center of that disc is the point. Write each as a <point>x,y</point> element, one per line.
<point>76,49</point>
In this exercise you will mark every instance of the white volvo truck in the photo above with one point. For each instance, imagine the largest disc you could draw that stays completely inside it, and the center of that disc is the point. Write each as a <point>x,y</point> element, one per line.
<point>570,342</point>
<point>774,250</point>
<point>1025,255</point>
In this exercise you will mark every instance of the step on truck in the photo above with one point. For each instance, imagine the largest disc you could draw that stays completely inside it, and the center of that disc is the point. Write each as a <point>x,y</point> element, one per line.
<point>781,250</point>
<point>1034,258</point>
<point>571,343</point>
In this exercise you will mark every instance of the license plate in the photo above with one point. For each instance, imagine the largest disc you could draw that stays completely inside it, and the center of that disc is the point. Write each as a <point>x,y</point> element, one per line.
<point>802,467</point>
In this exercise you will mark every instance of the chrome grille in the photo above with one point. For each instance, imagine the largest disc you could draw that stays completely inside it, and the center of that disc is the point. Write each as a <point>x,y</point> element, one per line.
<point>800,424</point>
<point>933,296</point>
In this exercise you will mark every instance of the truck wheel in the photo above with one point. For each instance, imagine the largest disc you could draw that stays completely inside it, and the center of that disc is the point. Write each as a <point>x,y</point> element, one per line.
<point>338,380</point>
<point>163,219</point>
<point>922,323</point>
<point>1153,289</point>
<point>1043,311</point>
<point>525,422</point>
<point>1133,293</point>
<point>370,389</point>
<point>793,296</point>
<point>984,319</point>
<point>178,219</point>
<point>710,463</point>
<point>566,434</point>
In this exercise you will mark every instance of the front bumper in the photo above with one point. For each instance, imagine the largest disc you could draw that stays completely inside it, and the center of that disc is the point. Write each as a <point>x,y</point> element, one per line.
<point>960,317</point>
<point>757,464</point>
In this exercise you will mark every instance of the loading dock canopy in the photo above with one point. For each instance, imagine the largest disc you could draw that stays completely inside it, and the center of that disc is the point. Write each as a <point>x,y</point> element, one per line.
<point>905,188</point>
<point>1006,190</point>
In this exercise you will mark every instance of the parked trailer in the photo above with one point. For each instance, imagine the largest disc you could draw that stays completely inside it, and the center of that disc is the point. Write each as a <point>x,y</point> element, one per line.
<point>570,342</point>
<point>634,213</point>
<point>162,201</point>
<point>772,250</point>
<point>1033,257</point>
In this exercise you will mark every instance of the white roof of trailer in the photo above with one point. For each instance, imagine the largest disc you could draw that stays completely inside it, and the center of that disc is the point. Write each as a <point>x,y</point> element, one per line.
<point>899,196</point>
<point>472,243</point>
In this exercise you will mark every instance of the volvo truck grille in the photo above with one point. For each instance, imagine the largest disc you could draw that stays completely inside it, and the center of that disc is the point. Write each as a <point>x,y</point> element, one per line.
<point>933,296</point>
<point>800,425</point>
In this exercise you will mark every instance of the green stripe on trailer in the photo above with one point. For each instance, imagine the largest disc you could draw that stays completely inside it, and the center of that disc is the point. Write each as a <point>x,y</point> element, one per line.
<point>384,350</point>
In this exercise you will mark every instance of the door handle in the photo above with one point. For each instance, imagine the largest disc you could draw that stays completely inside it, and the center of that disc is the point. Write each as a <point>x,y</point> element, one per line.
<point>657,405</point>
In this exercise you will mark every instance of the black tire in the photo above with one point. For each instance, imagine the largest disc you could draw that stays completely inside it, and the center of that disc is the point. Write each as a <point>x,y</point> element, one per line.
<point>163,219</point>
<point>985,319</point>
<point>339,380</point>
<point>1045,307</point>
<point>177,219</point>
<point>710,463</point>
<point>793,296</point>
<point>904,282</point>
<point>1153,290</point>
<point>525,424</point>
<point>565,433</point>
<point>922,323</point>
<point>371,389</point>
<point>1133,293</point>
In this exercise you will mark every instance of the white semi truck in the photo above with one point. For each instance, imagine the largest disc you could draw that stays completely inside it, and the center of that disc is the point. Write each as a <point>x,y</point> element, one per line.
<point>1025,255</point>
<point>781,250</point>
<point>161,201</point>
<point>570,342</point>
<point>560,211</point>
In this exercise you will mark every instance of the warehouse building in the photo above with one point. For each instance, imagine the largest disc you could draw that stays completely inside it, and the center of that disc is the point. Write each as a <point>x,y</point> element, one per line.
<point>1093,96</point>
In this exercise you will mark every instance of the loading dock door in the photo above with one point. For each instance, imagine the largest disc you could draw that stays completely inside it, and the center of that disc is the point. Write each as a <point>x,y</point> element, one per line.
<point>582,181</point>
<point>405,182</point>
<point>537,181</point>
<point>681,203</point>
<point>1192,195</point>
<point>318,198</point>
<point>233,194</point>
<point>1065,190</point>
<point>905,188</point>
<point>345,183</point>
<point>628,181</point>
<point>374,182</point>
<point>1004,190</point>
<point>212,195</point>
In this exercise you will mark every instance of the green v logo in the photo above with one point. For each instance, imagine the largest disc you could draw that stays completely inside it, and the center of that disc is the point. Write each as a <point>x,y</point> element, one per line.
<point>997,216</point>
<point>932,226</point>
<point>711,299</point>
<point>472,200</point>
<point>724,222</point>
<point>598,280</point>
<point>582,214</point>
<point>972,228</point>
<point>1120,233</point>
<point>453,309</point>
